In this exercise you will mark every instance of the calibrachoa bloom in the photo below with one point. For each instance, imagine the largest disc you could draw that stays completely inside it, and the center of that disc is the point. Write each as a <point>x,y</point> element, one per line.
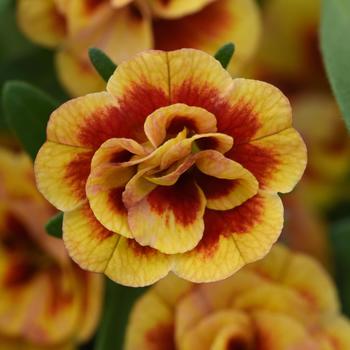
<point>123,28</point>
<point>46,301</point>
<point>176,167</point>
<point>284,302</point>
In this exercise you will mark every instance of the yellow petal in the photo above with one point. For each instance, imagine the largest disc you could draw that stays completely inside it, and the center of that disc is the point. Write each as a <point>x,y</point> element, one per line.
<point>61,173</point>
<point>225,183</point>
<point>176,8</point>
<point>224,21</point>
<point>174,217</point>
<point>42,21</point>
<point>232,239</point>
<point>277,161</point>
<point>175,118</point>
<point>130,24</point>
<point>96,249</point>
<point>89,121</point>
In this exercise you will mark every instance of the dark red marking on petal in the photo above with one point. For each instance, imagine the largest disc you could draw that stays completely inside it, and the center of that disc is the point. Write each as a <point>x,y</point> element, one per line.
<point>92,5</point>
<point>207,143</point>
<point>98,231</point>
<point>140,250</point>
<point>121,157</point>
<point>261,162</point>
<point>135,12</point>
<point>214,187</point>
<point>115,197</point>
<point>165,2</point>
<point>161,337</point>
<point>237,344</point>
<point>77,172</point>
<point>183,199</point>
<point>194,30</point>
<point>125,120</point>
<point>238,220</point>
<point>179,123</point>
<point>20,272</point>
<point>60,297</point>
<point>238,121</point>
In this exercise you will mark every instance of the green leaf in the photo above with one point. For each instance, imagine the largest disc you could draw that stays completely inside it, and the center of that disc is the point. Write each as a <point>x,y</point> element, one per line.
<point>54,226</point>
<point>335,26</point>
<point>118,303</point>
<point>27,111</point>
<point>340,239</point>
<point>102,63</point>
<point>225,53</point>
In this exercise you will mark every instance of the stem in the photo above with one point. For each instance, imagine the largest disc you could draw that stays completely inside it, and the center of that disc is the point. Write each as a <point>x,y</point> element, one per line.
<point>118,303</point>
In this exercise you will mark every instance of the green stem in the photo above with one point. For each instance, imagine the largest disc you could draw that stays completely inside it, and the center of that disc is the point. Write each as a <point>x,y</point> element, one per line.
<point>118,303</point>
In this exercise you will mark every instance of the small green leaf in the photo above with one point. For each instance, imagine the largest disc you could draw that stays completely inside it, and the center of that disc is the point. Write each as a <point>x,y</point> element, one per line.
<point>102,63</point>
<point>54,226</point>
<point>225,53</point>
<point>118,303</point>
<point>335,26</point>
<point>340,239</point>
<point>27,111</point>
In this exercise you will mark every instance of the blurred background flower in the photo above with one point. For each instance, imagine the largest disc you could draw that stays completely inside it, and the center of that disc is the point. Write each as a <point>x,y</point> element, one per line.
<point>124,28</point>
<point>285,301</point>
<point>46,301</point>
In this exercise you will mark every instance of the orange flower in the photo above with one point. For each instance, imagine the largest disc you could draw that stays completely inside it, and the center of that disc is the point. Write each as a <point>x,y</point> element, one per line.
<point>285,301</point>
<point>46,300</point>
<point>175,167</point>
<point>122,28</point>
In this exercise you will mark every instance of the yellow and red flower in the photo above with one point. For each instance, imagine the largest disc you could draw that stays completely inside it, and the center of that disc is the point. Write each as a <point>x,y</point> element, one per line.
<point>47,301</point>
<point>285,301</point>
<point>123,28</point>
<point>176,167</point>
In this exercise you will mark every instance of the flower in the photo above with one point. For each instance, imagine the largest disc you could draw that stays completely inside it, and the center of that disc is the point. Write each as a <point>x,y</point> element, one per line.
<point>175,167</point>
<point>47,301</point>
<point>123,28</point>
<point>285,301</point>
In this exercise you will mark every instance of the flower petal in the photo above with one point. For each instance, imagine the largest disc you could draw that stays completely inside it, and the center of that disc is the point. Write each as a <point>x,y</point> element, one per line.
<point>255,109</point>
<point>140,85</point>
<point>224,21</point>
<point>197,79</point>
<point>61,173</point>
<point>175,118</point>
<point>42,21</point>
<point>176,8</point>
<point>232,239</point>
<point>225,183</point>
<point>89,121</point>
<point>278,331</point>
<point>174,217</point>
<point>96,249</point>
<point>104,190</point>
<point>277,161</point>
<point>131,25</point>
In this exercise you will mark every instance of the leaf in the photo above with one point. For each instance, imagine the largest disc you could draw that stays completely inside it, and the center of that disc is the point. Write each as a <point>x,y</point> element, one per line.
<point>335,26</point>
<point>104,66</point>
<point>54,226</point>
<point>224,54</point>
<point>340,239</point>
<point>27,111</point>
<point>118,303</point>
